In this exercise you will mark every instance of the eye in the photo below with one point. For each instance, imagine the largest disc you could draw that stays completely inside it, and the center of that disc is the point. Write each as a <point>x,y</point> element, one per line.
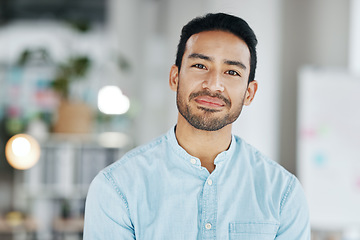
<point>232,73</point>
<point>200,66</point>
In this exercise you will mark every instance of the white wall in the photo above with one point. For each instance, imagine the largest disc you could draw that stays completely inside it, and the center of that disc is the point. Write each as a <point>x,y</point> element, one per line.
<point>354,41</point>
<point>314,32</point>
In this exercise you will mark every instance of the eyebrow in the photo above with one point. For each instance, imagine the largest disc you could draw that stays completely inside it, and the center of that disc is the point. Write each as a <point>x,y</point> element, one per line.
<point>235,63</point>
<point>228,62</point>
<point>201,56</point>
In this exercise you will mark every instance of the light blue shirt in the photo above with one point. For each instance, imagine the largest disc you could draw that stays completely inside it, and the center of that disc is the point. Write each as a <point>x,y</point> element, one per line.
<point>159,191</point>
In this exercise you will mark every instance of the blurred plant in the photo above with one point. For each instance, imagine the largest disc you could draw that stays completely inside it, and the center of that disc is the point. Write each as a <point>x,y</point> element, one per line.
<point>74,69</point>
<point>65,208</point>
<point>80,25</point>
<point>33,55</point>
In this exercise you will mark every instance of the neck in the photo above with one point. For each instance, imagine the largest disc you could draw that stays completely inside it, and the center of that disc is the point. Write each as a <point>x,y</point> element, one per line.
<point>205,145</point>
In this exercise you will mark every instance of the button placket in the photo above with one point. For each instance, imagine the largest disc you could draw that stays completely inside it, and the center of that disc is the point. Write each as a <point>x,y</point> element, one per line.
<point>209,208</point>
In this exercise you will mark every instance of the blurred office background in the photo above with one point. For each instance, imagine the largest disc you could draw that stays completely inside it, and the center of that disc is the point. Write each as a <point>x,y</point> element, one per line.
<point>88,80</point>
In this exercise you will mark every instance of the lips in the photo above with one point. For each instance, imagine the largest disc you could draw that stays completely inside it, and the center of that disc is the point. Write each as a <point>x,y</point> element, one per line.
<point>208,101</point>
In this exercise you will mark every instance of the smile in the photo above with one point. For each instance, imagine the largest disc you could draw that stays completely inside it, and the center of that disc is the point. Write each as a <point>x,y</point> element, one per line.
<point>210,102</point>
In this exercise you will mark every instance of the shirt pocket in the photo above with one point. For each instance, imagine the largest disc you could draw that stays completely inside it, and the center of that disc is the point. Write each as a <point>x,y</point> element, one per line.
<point>253,231</point>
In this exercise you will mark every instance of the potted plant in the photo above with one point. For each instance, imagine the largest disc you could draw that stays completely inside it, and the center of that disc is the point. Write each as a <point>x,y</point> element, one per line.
<point>73,115</point>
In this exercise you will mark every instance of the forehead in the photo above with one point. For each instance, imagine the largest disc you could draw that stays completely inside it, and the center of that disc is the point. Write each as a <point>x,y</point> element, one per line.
<point>218,44</point>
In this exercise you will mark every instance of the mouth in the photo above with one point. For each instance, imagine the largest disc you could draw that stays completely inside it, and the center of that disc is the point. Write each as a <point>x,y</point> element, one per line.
<point>210,102</point>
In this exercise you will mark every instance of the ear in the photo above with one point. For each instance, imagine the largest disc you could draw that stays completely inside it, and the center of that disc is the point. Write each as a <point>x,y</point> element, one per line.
<point>250,92</point>
<point>174,78</point>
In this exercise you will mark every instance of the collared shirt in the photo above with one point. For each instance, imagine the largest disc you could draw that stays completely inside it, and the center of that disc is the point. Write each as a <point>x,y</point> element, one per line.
<point>159,191</point>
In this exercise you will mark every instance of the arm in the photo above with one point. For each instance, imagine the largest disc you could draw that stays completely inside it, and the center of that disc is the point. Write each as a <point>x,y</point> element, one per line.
<point>106,212</point>
<point>294,214</point>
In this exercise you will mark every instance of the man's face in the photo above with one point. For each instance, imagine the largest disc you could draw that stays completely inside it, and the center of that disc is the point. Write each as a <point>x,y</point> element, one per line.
<point>212,85</point>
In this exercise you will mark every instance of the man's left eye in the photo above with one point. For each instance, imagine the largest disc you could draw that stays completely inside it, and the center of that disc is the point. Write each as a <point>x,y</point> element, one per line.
<point>200,66</point>
<point>233,73</point>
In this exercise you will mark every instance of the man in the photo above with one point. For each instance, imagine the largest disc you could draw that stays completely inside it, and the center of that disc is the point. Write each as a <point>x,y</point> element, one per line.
<point>199,181</point>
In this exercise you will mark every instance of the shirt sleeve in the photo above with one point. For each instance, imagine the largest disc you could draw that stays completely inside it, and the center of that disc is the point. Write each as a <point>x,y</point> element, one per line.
<point>294,214</point>
<point>106,211</point>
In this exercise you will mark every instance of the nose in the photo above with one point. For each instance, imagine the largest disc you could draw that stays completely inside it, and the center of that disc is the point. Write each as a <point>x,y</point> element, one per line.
<point>213,82</point>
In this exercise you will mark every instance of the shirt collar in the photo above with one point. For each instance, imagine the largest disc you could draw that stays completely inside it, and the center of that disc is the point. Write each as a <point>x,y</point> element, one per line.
<point>186,156</point>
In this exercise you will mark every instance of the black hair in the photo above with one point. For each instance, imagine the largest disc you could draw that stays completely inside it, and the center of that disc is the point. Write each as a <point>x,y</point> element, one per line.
<point>219,22</point>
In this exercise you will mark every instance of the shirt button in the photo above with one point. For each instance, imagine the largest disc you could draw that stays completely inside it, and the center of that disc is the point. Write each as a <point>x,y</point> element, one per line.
<point>208,226</point>
<point>193,160</point>
<point>210,182</point>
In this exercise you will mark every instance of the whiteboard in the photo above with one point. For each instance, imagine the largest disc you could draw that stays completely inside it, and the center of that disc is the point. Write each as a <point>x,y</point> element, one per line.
<point>328,150</point>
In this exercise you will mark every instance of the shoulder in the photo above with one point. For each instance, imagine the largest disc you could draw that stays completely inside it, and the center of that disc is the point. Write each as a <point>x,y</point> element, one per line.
<point>132,168</point>
<point>137,165</point>
<point>259,161</point>
<point>139,155</point>
<point>265,172</point>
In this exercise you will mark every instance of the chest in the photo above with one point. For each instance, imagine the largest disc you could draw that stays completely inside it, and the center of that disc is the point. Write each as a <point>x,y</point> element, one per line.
<point>206,209</point>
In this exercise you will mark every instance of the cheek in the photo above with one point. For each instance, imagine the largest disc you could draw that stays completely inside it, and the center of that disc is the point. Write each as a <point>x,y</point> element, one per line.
<point>187,86</point>
<point>182,91</point>
<point>193,76</point>
<point>237,96</point>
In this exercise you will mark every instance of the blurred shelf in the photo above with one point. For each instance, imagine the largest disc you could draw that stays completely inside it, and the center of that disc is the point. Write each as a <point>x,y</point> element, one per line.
<point>53,192</point>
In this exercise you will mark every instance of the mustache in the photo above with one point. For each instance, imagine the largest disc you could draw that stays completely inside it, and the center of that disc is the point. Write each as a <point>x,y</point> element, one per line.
<point>210,94</point>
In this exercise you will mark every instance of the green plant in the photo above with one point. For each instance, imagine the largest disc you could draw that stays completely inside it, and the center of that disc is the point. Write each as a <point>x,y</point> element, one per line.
<point>72,70</point>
